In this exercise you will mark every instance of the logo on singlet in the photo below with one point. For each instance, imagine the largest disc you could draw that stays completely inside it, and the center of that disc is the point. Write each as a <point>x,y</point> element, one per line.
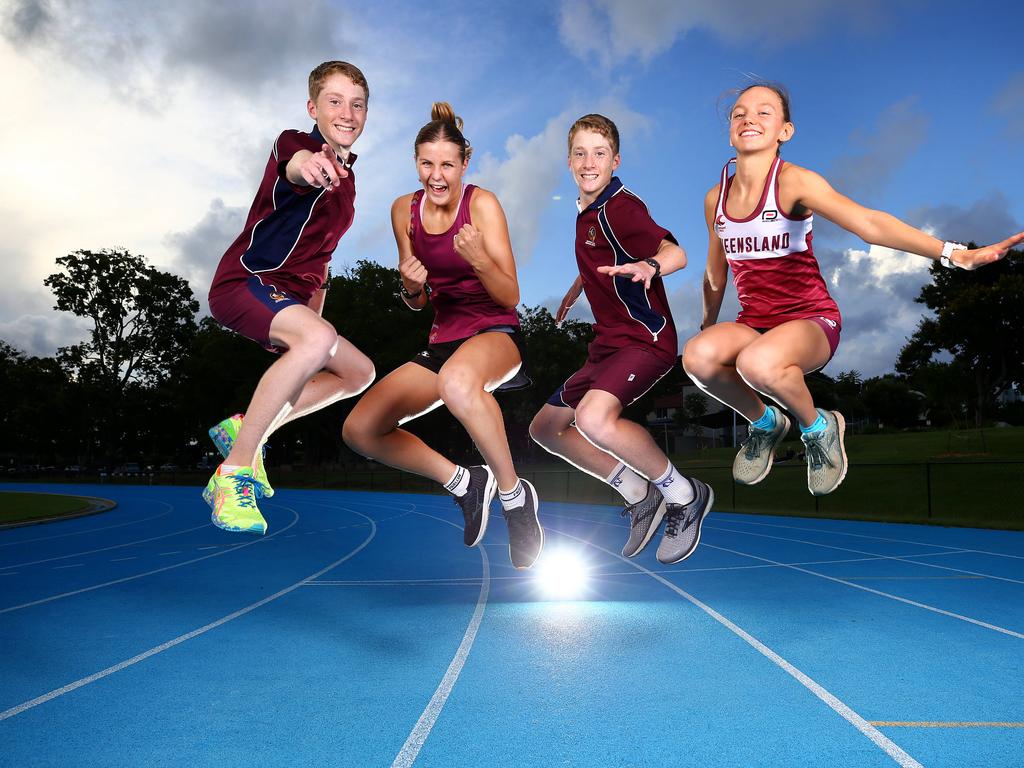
<point>720,223</point>
<point>631,377</point>
<point>831,323</point>
<point>278,297</point>
<point>591,236</point>
<point>769,216</point>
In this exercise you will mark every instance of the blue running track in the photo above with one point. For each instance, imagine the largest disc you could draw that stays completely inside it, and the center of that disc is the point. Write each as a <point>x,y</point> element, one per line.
<point>359,632</point>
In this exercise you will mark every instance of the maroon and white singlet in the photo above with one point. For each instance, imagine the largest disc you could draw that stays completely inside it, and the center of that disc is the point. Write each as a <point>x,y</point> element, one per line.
<point>776,275</point>
<point>462,306</point>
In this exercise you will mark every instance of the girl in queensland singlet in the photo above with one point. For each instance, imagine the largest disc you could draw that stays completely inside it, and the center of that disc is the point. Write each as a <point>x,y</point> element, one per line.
<point>454,252</point>
<point>760,225</point>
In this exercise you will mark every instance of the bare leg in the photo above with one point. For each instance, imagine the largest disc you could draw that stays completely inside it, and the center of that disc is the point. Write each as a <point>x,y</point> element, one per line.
<point>709,358</point>
<point>776,362</point>
<point>372,428</point>
<point>348,373</point>
<point>552,429</point>
<point>309,341</point>
<point>598,420</point>
<point>464,384</point>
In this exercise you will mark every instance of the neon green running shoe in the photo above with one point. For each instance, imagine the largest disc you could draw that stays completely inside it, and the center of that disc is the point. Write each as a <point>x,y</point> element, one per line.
<point>224,436</point>
<point>232,497</point>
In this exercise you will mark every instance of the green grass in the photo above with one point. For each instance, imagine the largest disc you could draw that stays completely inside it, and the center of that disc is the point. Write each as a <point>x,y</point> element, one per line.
<point>21,507</point>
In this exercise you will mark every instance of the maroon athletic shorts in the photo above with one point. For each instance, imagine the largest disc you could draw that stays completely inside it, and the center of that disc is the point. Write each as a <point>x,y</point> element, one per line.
<point>249,307</point>
<point>626,372</point>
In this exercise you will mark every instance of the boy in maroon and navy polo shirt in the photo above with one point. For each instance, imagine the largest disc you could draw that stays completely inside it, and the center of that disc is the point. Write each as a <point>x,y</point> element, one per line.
<point>621,253</point>
<point>270,284</point>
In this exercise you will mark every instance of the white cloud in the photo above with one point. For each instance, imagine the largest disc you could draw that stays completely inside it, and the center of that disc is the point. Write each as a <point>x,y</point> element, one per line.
<point>610,31</point>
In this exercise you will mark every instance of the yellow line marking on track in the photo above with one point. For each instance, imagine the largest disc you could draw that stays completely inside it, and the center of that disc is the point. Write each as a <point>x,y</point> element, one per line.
<point>908,578</point>
<point>927,724</point>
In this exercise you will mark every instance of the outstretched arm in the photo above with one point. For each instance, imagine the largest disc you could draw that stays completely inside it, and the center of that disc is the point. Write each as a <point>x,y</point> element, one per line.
<point>670,258</point>
<point>570,298</point>
<point>315,169</point>
<point>413,273</point>
<point>877,227</point>
<point>716,273</point>
<point>486,247</point>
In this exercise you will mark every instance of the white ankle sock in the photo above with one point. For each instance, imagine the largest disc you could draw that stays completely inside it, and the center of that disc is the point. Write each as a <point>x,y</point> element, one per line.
<point>628,483</point>
<point>674,486</point>
<point>513,499</point>
<point>459,483</point>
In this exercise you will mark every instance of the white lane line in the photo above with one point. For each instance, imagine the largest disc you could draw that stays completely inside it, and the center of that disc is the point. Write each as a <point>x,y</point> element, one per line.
<point>175,552</point>
<point>866,536</point>
<point>897,598</point>
<point>123,559</point>
<point>418,737</point>
<point>157,570</point>
<point>9,573</point>
<point>472,582</point>
<point>182,638</point>
<point>862,552</point>
<point>170,508</point>
<point>200,549</point>
<point>880,740</point>
<point>61,567</point>
<point>115,546</point>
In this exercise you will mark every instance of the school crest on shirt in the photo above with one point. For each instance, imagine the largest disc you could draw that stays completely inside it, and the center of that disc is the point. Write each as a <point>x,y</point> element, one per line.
<point>591,236</point>
<point>277,297</point>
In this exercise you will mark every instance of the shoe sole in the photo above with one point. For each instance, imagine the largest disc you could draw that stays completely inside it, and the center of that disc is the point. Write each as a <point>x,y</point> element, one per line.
<point>536,508</point>
<point>659,515</point>
<point>705,513</point>
<point>490,488</point>
<point>256,528</point>
<point>768,466</point>
<point>841,428</point>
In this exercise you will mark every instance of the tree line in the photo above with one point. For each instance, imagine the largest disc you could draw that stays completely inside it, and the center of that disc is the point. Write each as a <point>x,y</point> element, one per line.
<point>152,377</point>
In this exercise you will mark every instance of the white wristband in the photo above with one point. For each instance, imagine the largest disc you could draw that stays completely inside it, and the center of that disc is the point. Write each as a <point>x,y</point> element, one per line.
<point>947,251</point>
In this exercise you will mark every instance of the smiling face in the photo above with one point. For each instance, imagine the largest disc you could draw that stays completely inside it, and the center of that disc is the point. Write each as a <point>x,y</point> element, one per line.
<point>340,112</point>
<point>759,121</point>
<point>440,167</point>
<point>592,162</point>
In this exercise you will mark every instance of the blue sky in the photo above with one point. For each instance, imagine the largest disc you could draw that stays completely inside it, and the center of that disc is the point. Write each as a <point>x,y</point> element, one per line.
<point>147,127</point>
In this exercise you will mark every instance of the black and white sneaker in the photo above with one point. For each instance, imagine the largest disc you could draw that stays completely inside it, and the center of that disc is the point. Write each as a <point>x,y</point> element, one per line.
<point>644,519</point>
<point>682,524</point>
<point>525,536</point>
<point>476,503</point>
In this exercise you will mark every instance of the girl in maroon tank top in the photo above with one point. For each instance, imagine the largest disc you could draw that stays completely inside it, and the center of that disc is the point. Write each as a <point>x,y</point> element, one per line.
<point>759,223</point>
<point>454,253</point>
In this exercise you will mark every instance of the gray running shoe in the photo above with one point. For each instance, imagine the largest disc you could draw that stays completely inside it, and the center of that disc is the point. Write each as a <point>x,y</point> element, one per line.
<point>754,460</point>
<point>826,455</point>
<point>525,536</point>
<point>475,503</point>
<point>682,524</point>
<point>644,519</point>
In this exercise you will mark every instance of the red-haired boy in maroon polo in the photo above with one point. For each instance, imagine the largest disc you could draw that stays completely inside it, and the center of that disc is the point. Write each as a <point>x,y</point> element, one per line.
<point>622,254</point>
<point>270,285</point>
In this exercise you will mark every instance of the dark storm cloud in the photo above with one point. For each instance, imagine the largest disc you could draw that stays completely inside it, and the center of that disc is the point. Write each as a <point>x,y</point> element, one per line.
<point>27,21</point>
<point>200,248</point>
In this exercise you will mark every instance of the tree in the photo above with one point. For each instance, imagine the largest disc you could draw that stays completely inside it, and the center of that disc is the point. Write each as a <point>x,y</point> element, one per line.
<point>142,319</point>
<point>978,317</point>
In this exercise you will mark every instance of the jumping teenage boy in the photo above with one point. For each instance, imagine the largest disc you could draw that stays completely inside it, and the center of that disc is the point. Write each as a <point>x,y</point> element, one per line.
<point>759,225</point>
<point>454,252</point>
<point>270,284</point>
<point>621,254</point>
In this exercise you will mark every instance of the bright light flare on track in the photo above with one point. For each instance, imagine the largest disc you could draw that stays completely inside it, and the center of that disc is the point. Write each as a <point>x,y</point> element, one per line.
<point>562,574</point>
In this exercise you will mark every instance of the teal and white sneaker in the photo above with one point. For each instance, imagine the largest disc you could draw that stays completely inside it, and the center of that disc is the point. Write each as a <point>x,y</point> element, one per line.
<point>754,461</point>
<point>826,454</point>
<point>224,436</point>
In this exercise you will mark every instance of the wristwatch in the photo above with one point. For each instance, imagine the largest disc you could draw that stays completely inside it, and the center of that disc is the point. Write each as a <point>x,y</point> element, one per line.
<point>406,294</point>
<point>657,267</point>
<point>947,251</point>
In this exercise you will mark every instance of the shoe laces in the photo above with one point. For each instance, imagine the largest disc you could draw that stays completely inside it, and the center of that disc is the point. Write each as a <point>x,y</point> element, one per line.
<point>245,487</point>
<point>673,517</point>
<point>817,456</point>
<point>757,440</point>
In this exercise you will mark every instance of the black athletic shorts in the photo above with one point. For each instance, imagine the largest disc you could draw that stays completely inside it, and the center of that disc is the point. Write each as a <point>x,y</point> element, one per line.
<point>436,355</point>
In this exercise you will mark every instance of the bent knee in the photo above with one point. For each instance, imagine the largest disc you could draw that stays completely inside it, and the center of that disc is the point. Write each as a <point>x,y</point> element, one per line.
<point>458,387</point>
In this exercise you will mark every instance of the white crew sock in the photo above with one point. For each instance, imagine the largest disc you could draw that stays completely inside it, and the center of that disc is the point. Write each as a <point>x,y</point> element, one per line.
<point>674,486</point>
